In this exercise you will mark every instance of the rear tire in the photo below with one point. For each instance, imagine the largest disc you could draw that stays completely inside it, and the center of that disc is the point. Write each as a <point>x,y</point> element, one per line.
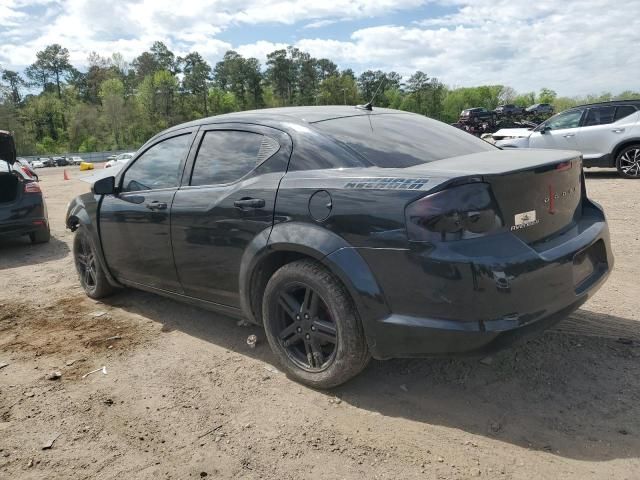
<point>42,235</point>
<point>312,325</point>
<point>92,278</point>
<point>628,161</point>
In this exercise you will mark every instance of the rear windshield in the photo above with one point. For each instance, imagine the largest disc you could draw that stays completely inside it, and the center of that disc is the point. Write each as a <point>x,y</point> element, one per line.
<point>401,140</point>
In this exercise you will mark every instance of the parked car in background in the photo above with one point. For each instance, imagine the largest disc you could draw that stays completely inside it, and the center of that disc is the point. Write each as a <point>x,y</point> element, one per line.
<point>120,160</point>
<point>37,164</point>
<point>75,160</point>
<point>47,161</point>
<point>607,134</point>
<point>476,115</point>
<point>509,109</point>
<point>347,234</point>
<point>111,157</point>
<point>60,161</point>
<point>540,109</point>
<point>22,207</point>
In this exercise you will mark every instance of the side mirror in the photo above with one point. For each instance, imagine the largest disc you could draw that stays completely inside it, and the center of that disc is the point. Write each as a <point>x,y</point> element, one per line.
<point>104,186</point>
<point>545,129</point>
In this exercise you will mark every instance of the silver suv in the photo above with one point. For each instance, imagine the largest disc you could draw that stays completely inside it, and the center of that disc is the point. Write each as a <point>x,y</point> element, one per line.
<point>607,134</point>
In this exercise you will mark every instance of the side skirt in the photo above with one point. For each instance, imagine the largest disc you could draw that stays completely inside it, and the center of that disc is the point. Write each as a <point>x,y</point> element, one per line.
<point>215,307</point>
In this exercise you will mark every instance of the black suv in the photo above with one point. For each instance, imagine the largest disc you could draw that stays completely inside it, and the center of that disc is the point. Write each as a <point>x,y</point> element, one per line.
<point>509,109</point>
<point>347,233</point>
<point>540,109</point>
<point>476,115</point>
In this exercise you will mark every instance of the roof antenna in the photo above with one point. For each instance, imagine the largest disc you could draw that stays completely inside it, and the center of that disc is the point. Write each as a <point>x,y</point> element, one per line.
<point>369,104</point>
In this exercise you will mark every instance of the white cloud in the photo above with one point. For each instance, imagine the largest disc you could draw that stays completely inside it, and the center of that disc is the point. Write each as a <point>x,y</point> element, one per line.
<point>574,46</point>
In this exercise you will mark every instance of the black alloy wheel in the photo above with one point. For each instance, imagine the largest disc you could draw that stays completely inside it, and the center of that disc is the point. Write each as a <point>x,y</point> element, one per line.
<point>628,162</point>
<point>92,278</point>
<point>86,264</point>
<point>312,325</point>
<point>306,330</point>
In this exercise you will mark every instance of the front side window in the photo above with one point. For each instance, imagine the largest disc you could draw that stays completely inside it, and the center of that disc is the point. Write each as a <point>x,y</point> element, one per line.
<point>158,167</point>
<point>600,116</point>
<point>225,156</point>
<point>564,120</point>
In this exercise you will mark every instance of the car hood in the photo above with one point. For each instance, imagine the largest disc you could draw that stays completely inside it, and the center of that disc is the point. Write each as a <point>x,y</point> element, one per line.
<point>102,173</point>
<point>513,132</point>
<point>7,147</point>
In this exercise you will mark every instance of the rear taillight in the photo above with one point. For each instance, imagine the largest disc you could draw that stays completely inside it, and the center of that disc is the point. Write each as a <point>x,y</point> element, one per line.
<point>32,187</point>
<point>466,211</point>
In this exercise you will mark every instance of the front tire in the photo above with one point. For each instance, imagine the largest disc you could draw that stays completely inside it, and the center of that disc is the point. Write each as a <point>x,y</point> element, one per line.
<point>92,277</point>
<point>312,325</point>
<point>628,161</point>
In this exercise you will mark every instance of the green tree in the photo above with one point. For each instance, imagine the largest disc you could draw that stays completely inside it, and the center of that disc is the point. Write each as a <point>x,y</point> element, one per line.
<point>54,62</point>
<point>339,90</point>
<point>112,97</point>
<point>281,73</point>
<point>547,95</point>
<point>371,82</point>
<point>424,95</point>
<point>197,74</point>
<point>16,83</point>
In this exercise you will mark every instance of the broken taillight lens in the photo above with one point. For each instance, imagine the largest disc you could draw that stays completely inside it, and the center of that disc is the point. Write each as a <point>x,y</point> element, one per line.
<point>457,213</point>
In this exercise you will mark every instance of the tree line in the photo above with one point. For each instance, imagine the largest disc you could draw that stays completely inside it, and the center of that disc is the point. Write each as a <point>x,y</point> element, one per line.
<point>54,107</point>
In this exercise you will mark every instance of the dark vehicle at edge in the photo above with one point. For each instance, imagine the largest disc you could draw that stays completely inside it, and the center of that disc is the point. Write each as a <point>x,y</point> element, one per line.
<point>476,115</point>
<point>22,207</point>
<point>348,234</point>
<point>509,109</point>
<point>540,109</point>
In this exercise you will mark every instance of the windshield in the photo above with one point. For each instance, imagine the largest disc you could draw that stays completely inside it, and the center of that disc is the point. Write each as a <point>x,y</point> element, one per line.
<point>401,140</point>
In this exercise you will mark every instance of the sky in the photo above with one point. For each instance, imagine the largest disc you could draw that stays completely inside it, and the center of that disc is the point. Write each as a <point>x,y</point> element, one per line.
<point>572,46</point>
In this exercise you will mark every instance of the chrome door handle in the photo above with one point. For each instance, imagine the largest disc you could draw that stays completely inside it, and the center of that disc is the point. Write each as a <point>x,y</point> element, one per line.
<point>249,203</point>
<point>569,135</point>
<point>156,206</point>
<point>618,130</point>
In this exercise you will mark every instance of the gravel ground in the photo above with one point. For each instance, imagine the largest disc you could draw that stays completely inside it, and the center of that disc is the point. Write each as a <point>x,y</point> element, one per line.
<point>184,397</point>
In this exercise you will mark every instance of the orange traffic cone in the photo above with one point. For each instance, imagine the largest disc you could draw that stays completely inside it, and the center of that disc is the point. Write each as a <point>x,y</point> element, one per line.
<point>66,176</point>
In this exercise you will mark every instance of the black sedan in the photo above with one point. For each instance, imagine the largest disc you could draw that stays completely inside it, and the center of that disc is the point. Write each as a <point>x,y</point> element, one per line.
<point>348,233</point>
<point>22,208</point>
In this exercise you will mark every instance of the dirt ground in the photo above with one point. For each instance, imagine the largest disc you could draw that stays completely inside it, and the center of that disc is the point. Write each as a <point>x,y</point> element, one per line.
<point>184,397</point>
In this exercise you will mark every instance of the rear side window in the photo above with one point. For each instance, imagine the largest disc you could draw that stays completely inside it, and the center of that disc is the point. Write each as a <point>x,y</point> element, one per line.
<point>624,111</point>
<point>401,140</point>
<point>228,155</point>
<point>600,116</point>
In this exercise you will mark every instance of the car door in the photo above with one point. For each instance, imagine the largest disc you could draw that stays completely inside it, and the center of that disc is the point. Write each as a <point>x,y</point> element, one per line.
<point>135,223</point>
<point>604,127</point>
<point>234,176</point>
<point>596,134</point>
<point>559,132</point>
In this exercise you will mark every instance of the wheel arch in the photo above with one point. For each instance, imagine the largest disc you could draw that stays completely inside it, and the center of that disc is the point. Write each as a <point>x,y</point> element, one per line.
<point>293,241</point>
<point>82,211</point>
<point>622,145</point>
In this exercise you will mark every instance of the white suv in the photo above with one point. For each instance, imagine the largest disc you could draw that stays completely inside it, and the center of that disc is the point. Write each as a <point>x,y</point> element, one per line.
<point>607,134</point>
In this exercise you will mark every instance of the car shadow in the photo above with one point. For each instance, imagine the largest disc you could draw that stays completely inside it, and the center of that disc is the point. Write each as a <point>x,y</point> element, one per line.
<point>595,173</point>
<point>19,251</point>
<point>574,391</point>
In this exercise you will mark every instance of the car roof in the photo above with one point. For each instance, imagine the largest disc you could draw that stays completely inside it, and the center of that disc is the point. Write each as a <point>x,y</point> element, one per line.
<point>613,103</point>
<point>301,115</point>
